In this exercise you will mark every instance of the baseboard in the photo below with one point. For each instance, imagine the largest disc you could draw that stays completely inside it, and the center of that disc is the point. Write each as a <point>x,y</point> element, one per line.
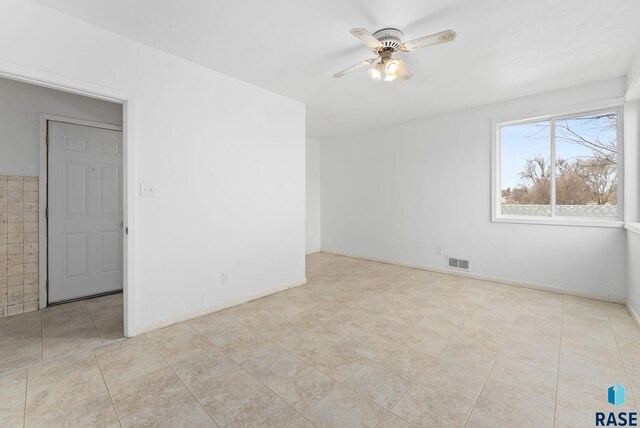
<point>216,308</point>
<point>522,284</point>
<point>316,250</point>
<point>633,313</point>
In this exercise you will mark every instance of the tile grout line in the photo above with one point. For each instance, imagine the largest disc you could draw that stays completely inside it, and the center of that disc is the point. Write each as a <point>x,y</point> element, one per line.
<point>411,386</point>
<point>494,365</point>
<point>93,321</point>
<point>115,409</point>
<point>26,396</point>
<point>555,401</point>
<point>176,375</point>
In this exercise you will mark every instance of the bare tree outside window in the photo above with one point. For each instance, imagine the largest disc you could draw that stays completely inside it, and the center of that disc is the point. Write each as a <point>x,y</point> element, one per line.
<point>586,166</point>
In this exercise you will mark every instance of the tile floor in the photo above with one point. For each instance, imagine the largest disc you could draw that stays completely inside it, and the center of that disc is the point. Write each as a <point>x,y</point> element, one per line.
<point>34,337</point>
<point>363,344</point>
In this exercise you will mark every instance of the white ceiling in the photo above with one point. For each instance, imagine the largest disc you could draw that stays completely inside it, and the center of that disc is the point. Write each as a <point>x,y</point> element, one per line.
<point>505,48</point>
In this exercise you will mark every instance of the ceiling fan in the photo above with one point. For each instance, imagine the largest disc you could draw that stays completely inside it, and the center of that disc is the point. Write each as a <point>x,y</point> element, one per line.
<point>385,43</point>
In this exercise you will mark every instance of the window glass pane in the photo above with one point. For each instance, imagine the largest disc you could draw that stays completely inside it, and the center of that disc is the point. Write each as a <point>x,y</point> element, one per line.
<point>525,169</point>
<point>587,165</point>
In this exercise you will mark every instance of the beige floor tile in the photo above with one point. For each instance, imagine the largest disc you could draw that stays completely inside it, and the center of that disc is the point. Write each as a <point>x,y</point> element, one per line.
<point>481,419</point>
<point>569,418</point>
<point>69,392</point>
<point>404,359</point>
<point>157,399</point>
<point>12,398</point>
<point>219,329</point>
<point>366,344</point>
<point>219,392</point>
<point>526,377</point>
<point>20,341</point>
<point>345,408</point>
<point>425,405</point>
<point>307,345</point>
<point>301,386</point>
<point>533,354</point>
<point>244,347</point>
<point>337,362</point>
<point>466,383</point>
<point>67,328</point>
<point>585,307</point>
<point>515,406</point>
<point>382,385</point>
<point>209,423</point>
<point>178,341</point>
<point>476,357</point>
<point>129,359</point>
<point>588,371</point>
<point>270,361</point>
<point>108,316</point>
<point>393,421</point>
<point>301,422</point>
<point>203,365</point>
<point>425,340</point>
<point>262,409</point>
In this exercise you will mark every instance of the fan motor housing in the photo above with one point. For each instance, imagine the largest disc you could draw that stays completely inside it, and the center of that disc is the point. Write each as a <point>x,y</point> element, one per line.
<point>389,37</point>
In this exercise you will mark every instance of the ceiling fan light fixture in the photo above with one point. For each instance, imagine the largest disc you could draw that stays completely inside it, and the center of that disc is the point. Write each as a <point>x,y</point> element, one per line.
<point>392,67</point>
<point>390,77</point>
<point>377,71</point>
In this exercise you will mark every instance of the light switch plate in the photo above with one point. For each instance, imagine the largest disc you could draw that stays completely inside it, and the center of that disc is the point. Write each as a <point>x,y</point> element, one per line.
<point>147,190</point>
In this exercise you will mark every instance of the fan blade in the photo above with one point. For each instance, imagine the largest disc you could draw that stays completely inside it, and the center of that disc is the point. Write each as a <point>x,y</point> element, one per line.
<point>433,39</point>
<point>355,67</point>
<point>366,37</point>
<point>403,72</point>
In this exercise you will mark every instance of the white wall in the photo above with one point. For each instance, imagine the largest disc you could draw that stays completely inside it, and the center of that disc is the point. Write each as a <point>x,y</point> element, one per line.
<point>396,193</point>
<point>632,154</point>
<point>227,158</point>
<point>313,195</point>
<point>633,271</point>
<point>20,104</point>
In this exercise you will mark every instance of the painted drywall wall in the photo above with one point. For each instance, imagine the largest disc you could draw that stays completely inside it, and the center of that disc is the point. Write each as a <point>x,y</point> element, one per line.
<point>633,271</point>
<point>227,159</point>
<point>632,192</point>
<point>398,192</point>
<point>632,160</point>
<point>313,195</point>
<point>20,104</point>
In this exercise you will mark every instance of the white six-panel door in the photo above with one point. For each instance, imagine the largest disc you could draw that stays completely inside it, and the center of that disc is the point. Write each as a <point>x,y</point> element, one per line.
<point>84,211</point>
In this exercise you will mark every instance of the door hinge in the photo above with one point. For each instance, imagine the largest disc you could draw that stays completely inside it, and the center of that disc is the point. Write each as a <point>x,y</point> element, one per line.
<point>46,213</point>
<point>126,230</point>
<point>47,139</point>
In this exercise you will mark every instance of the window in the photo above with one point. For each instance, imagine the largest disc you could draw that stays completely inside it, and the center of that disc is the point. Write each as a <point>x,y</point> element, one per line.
<point>559,169</point>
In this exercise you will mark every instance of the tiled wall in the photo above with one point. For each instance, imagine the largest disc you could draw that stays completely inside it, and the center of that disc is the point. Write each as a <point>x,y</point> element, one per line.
<point>18,244</point>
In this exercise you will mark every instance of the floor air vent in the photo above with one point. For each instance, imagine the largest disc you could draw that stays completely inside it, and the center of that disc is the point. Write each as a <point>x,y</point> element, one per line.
<point>457,263</point>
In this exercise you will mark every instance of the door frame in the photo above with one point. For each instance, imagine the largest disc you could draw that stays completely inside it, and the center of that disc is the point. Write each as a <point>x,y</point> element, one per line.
<point>37,77</point>
<point>43,195</point>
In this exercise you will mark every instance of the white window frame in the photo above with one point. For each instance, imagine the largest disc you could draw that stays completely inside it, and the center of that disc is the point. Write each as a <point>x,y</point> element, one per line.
<point>616,105</point>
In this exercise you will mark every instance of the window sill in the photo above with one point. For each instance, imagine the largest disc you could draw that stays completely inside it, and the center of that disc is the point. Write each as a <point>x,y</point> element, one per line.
<point>632,227</point>
<point>581,222</point>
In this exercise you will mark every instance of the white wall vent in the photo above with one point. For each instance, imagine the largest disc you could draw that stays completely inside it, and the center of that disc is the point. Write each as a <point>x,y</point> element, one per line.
<point>454,263</point>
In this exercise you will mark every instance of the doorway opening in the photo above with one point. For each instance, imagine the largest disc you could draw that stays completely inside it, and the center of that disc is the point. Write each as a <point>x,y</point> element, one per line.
<point>64,210</point>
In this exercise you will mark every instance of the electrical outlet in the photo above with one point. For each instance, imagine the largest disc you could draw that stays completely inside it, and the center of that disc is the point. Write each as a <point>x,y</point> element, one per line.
<point>225,278</point>
<point>440,249</point>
